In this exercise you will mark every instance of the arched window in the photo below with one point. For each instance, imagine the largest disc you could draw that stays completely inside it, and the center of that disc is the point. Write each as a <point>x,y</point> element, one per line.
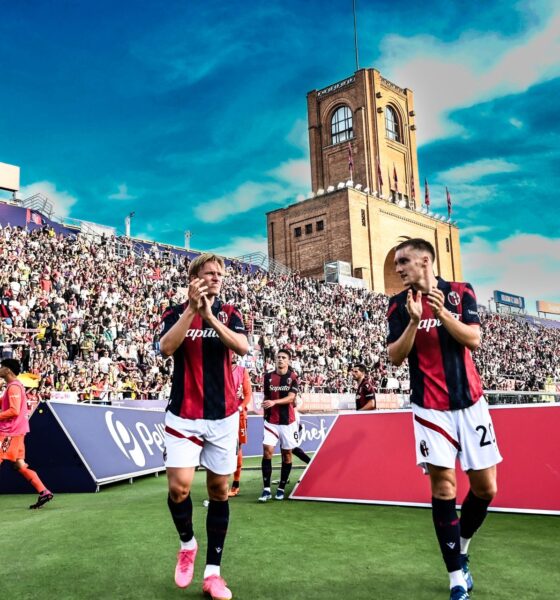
<point>341,125</point>
<point>392,125</point>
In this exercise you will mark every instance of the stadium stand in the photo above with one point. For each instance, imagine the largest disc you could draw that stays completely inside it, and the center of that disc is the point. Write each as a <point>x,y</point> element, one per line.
<point>83,312</point>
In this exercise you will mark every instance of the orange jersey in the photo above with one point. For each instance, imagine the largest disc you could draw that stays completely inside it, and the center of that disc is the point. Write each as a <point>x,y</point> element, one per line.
<point>12,448</point>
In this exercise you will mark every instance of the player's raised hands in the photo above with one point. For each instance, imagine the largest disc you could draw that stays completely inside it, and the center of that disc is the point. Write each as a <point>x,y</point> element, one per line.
<point>436,300</point>
<point>205,307</point>
<point>197,289</point>
<point>414,305</point>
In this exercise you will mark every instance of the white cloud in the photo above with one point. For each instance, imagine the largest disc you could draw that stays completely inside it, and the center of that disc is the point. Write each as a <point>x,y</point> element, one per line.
<point>238,246</point>
<point>61,201</point>
<point>122,194</point>
<point>474,68</point>
<point>516,123</point>
<point>296,173</point>
<point>471,172</point>
<point>247,196</point>
<point>292,182</point>
<point>469,231</point>
<point>463,195</point>
<point>299,135</point>
<point>524,264</point>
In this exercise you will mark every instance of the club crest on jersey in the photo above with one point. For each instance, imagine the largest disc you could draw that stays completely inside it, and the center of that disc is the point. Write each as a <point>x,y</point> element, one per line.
<point>222,317</point>
<point>454,298</point>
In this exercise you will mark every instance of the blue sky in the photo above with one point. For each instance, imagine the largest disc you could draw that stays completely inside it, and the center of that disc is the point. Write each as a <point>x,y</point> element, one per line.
<point>193,115</point>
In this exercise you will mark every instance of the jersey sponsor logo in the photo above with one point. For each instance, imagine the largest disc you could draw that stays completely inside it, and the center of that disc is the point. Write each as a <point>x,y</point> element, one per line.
<point>428,324</point>
<point>280,388</point>
<point>194,334</point>
<point>223,317</point>
<point>454,298</point>
<point>472,312</point>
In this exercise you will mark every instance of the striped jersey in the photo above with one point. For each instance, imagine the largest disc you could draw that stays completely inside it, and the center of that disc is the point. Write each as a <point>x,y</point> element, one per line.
<point>365,393</point>
<point>203,386</point>
<point>442,372</point>
<point>276,387</point>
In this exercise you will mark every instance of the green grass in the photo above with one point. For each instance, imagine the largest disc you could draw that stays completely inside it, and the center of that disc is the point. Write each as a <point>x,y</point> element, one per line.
<point>121,544</point>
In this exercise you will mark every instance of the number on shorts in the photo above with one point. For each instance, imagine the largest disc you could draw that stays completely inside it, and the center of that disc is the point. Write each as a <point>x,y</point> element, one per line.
<point>296,436</point>
<point>487,436</point>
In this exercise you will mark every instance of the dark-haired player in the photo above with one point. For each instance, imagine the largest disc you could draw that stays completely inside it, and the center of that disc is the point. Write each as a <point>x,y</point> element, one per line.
<point>436,325</point>
<point>280,423</point>
<point>14,425</point>
<point>202,419</point>
<point>365,392</point>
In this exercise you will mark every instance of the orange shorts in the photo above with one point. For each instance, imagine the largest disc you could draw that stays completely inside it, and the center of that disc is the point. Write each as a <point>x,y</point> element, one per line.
<point>242,428</point>
<point>12,448</point>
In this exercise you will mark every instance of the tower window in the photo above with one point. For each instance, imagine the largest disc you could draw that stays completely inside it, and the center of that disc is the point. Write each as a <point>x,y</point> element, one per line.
<point>297,232</point>
<point>341,125</point>
<point>320,225</point>
<point>363,217</point>
<point>447,244</point>
<point>392,125</point>
<point>309,228</point>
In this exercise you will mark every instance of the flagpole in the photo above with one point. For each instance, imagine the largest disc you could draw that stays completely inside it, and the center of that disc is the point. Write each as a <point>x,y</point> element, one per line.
<point>448,198</point>
<point>355,35</point>
<point>452,257</point>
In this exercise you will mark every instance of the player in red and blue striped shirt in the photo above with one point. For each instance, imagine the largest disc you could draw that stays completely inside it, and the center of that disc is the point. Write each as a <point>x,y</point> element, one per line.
<point>435,324</point>
<point>202,420</point>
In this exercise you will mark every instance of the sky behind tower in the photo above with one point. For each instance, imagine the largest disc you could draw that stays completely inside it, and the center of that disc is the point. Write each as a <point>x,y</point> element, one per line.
<point>193,115</point>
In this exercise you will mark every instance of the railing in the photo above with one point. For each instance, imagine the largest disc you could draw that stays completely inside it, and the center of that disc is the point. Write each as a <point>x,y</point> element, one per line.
<point>512,397</point>
<point>260,259</point>
<point>39,202</point>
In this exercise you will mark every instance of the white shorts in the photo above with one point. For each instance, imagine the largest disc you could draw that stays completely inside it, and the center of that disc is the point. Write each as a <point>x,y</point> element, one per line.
<point>194,442</point>
<point>442,436</point>
<point>287,435</point>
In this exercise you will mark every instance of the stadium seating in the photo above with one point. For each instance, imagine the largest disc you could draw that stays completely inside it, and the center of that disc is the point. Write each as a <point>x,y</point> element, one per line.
<point>83,314</point>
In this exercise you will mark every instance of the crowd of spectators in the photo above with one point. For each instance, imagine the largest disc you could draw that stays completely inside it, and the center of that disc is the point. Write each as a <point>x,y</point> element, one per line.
<point>83,315</point>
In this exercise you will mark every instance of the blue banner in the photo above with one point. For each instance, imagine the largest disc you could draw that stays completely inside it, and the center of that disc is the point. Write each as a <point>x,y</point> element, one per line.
<point>509,299</point>
<point>114,443</point>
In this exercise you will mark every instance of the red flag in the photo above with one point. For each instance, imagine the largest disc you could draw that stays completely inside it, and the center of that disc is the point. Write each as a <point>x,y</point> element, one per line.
<point>379,176</point>
<point>448,201</point>
<point>426,193</point>
<point>395,178</point>
<point>33,217</point>
<point>412,189</point>
<point>350,160</point>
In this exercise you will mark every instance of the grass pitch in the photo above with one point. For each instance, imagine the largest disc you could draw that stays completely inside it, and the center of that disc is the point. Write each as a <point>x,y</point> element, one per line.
<point>121,544</point>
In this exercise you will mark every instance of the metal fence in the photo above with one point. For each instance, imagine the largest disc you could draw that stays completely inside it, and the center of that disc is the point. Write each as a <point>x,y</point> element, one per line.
<point>512,397</point>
